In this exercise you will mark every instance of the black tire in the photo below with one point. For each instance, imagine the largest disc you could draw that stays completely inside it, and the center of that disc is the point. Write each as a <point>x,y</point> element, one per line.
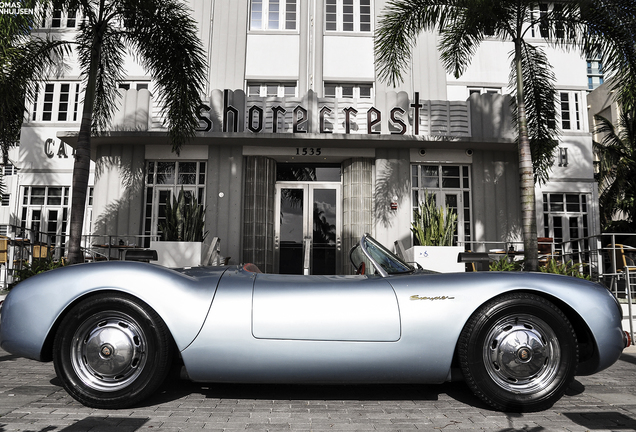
<point>518,352</point>
<point>112,351</point>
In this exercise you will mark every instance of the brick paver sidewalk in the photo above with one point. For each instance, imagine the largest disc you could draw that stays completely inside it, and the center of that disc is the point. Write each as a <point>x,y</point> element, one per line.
<point>31,399</point>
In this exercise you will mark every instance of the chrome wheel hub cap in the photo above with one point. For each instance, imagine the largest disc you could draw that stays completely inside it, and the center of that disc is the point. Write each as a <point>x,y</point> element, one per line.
<point>522,354</point>
<point>109,351</point>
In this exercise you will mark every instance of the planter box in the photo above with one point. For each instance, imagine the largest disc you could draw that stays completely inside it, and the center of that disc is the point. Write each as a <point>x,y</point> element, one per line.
<point>442,259</point>
<point>177,254</point>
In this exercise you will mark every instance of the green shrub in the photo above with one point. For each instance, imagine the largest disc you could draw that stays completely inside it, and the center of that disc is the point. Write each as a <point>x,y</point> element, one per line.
<point>36,267</point>
<point>568,268</point>
<point>504,264</point>
<point>553,266</point>
<point>433,225</point>
<point>185,219</point>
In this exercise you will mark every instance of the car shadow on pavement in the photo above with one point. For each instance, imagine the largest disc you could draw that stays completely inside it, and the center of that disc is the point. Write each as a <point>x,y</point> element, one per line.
<point>8,358</point>
<point>611,420</point>
<point>176,389</point>
<point>629,358</point>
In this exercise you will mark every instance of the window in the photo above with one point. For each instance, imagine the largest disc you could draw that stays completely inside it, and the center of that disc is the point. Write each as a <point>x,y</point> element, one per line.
<point>165,179</point>
<point>565,219</point>
<point>4,200</point>
<point>48,102</point>
<point>348,15</point>
<point>595,73</point>
<point>10,169</point>
<point>356,91</point>
<point>59,19</point>
<point>271,89</point>
<point>273,15</point>
<point>484,90</point>
<point>547,21</point>
<point>63,102</point>
<point>451,186</point>
<point>45,213</point>
<point>127,85</point>
<point>570,111</point>
<point>56,102</point>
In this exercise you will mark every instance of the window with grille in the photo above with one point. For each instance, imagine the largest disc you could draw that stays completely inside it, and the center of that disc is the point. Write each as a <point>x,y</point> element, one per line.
<point>272,89</point>
<point>273,15</point>
<point>56,102</point>
<point>164,180</point>
<point>45,213</point>
<point>451,186</point>
<point>565,219</point>
<point>570,111</point>
<point>349,90</point>
<point>348,16</point>
<point>60,19</point>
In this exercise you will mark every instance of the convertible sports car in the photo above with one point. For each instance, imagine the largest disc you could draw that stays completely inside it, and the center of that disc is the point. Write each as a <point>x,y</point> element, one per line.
<point>114,329</point>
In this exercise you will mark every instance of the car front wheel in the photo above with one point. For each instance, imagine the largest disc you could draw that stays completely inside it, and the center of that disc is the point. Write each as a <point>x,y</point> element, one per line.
<point>112,351</point>
<point>518,352</point>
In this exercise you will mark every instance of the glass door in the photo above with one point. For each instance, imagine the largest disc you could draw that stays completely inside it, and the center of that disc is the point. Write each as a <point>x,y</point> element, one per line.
<point>308,228</point>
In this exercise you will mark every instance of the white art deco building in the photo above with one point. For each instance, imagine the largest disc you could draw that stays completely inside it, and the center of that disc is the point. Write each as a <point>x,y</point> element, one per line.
<point>299,141</point>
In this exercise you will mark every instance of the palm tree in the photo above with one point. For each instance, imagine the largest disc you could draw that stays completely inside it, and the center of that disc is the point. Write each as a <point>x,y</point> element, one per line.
<point>464,24</point>
<point>164,39</point>
<point>23,60</point>
<point>617,170</point>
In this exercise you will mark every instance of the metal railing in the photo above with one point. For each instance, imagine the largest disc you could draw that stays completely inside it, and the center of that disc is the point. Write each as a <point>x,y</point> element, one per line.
<point>22,249</point>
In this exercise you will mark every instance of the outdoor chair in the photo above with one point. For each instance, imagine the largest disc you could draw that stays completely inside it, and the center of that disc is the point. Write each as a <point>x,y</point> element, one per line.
<point>622,262</point>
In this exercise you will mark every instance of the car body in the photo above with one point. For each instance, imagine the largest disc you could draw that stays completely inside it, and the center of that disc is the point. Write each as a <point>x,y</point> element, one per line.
<point>113,329</point>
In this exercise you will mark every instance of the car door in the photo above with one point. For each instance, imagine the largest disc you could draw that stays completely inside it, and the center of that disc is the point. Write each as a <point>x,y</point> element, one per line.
<point>325,308</point>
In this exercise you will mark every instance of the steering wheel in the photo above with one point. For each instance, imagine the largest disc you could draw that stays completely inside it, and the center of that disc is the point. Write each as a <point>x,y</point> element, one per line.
<point>361,268</point>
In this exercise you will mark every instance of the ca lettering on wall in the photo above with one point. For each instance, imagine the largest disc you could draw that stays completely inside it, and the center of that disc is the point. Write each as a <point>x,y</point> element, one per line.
<point>53,147</point>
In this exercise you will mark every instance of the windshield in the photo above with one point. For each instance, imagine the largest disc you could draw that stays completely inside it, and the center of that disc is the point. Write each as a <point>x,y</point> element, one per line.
<point>372,252</point>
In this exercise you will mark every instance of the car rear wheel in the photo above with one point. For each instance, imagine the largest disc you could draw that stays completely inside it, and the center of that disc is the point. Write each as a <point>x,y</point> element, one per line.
<point>112,351</point>
<point>518,352</point>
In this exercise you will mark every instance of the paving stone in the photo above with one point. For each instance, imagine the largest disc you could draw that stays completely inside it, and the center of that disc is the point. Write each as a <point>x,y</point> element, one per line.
<point>32,400</point>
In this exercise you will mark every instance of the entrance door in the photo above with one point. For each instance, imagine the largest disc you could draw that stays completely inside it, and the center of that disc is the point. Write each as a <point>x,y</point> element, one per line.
<point>308,228</point>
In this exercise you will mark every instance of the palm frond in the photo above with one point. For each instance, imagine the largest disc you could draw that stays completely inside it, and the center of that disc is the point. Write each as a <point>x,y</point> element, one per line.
<point>611,32</point>
<point>468,23</point>
<point>539,97</point>
<point>617,167</point>
<point>397,32</point>
<point>107,39</point>
<point>24,61</point>
<point>165,39</point>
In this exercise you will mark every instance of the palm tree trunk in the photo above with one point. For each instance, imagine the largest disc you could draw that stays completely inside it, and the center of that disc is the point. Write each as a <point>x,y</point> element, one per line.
<point>81,167</point>
<point>528,205</point>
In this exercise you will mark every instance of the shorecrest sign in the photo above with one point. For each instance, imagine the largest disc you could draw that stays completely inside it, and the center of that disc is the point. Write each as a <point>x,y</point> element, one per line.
<point>228,111</point>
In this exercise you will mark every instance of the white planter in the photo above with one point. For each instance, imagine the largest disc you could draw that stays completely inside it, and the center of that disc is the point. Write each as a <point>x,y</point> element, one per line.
<point>176,254</point>
<point>441,259</point>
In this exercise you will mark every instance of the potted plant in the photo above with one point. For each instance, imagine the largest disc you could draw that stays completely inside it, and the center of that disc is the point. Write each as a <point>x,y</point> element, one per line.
<point>433,230</point>
<point>182,232</point>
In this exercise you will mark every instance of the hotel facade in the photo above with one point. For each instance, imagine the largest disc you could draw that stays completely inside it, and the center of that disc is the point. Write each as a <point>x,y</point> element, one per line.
<point>301,149</point>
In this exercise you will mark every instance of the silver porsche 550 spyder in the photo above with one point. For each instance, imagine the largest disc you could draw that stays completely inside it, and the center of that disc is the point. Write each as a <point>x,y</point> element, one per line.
<point>114,329</point>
